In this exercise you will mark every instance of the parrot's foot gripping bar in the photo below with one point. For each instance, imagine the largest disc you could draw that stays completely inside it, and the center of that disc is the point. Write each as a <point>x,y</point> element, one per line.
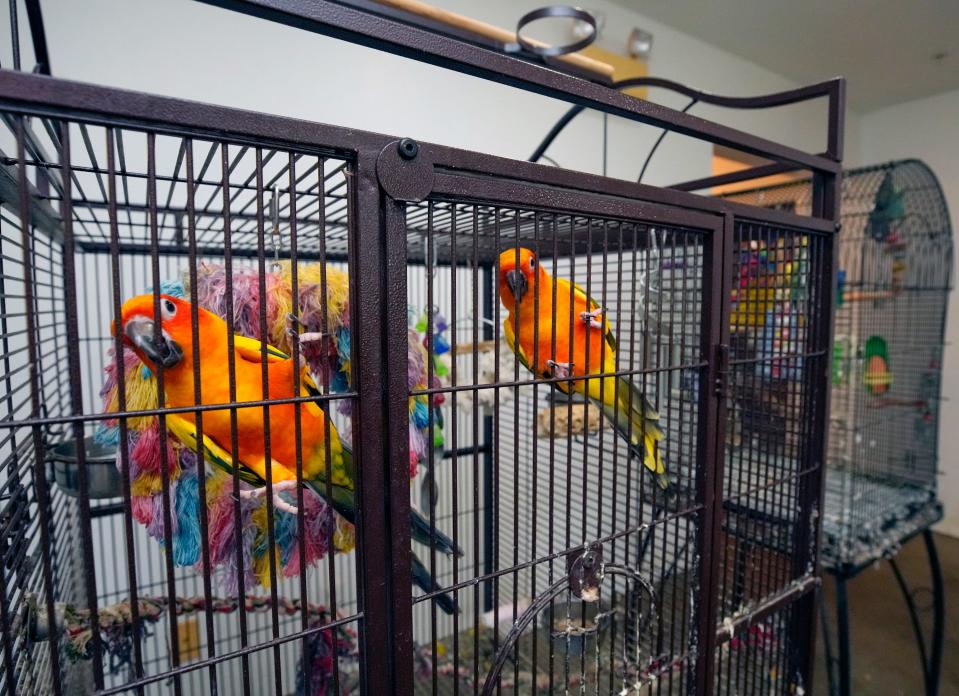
<point>278,502</point>
<point>560,370</point>
<point>593,318</point>
<point>293,332</point>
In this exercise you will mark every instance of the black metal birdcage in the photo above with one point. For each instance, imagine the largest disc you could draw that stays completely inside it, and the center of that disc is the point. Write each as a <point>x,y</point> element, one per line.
<point>140,557</point>
<point>894,279</point>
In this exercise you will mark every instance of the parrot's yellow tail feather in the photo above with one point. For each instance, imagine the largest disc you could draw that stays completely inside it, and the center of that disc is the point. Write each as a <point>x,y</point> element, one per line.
<point>637,421</point>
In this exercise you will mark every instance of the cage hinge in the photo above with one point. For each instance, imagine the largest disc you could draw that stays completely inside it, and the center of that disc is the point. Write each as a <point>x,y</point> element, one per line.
<point>722,369</point>
<point>405,170</point>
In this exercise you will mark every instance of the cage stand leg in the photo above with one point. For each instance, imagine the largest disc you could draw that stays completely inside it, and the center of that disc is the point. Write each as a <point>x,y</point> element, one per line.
<point>828,649</point>
<point>938,612</point>
<point>930,656</point>
<point>913,620</point>
<point>842,624</point>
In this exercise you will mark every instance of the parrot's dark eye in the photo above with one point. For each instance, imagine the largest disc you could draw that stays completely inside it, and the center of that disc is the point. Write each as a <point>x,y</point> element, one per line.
<point>532,263</point>
<point>169,309</point>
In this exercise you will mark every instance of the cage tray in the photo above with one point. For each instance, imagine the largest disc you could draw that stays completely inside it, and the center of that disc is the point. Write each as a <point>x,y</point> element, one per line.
<point>882,517</point>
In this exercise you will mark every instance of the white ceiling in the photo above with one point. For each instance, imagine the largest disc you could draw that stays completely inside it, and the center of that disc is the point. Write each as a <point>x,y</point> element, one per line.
<point>885,48</point>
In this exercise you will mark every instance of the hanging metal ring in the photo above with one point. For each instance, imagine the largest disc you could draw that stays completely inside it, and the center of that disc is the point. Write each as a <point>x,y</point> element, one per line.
<point>549,12</point>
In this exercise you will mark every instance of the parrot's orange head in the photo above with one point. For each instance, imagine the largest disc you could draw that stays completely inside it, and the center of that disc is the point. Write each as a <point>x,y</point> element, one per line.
<point>518,271</point>
<point>139,333</point>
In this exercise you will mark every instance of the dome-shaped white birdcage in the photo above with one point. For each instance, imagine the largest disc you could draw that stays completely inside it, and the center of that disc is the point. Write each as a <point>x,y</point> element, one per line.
<point>895,273</point>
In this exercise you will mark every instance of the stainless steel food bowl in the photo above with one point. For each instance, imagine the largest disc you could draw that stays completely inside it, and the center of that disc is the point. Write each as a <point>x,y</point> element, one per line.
<point>103,479</point>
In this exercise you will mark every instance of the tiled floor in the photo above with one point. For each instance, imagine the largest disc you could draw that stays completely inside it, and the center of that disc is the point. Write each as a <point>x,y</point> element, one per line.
<point>885,660</point>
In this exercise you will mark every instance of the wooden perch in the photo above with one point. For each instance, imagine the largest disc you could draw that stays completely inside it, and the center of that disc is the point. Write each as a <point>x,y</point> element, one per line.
<point>470,348</point>
<point>883,402</point>
<point>489,31</point>
<point>869,295</point>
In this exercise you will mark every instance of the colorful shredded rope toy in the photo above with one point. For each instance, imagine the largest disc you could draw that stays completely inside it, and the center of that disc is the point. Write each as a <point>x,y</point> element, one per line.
<point>768,302</point>
<point>328,360</point>
<point>117,631</point>
<point>422,367</point>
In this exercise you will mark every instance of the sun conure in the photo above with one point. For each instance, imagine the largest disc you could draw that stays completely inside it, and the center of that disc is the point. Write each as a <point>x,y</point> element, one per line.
<point>531,327</point>
<point>174,351</point>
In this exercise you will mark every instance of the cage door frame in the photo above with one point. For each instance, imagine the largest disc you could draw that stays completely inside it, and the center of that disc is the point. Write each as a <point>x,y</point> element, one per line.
<point>588,199</point>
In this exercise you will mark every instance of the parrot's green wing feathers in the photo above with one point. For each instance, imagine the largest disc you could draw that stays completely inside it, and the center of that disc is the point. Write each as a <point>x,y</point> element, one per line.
<point>640,398</point>
<point>343,476</point>
<point>609,336</point>
<point>340,491</point>
<point>639,401</point>
<point>185,431</point>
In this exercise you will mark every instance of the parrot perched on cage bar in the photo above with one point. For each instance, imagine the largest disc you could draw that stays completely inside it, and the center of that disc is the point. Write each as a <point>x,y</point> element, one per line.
<point>530,334</point>
<point>174,351</point>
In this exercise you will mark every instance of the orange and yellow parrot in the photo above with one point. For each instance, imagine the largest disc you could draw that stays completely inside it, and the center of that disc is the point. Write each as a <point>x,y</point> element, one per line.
<point>174,351</point>
<point>531,327</point>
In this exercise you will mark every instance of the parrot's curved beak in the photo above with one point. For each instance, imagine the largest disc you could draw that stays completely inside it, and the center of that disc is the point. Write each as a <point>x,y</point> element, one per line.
<point>138,330</point>
<point>517,284</point>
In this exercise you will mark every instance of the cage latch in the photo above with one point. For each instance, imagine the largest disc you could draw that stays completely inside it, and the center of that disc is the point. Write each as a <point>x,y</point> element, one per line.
<point>585,568</point>
<point>722,368</point>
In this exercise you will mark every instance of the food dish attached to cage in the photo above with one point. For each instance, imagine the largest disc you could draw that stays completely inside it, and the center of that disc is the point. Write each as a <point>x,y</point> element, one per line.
<point>572,627</point>
<point>103,478</point>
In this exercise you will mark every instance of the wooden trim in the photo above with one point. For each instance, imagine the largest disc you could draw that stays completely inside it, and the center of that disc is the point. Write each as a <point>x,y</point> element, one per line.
<point>490,31</point>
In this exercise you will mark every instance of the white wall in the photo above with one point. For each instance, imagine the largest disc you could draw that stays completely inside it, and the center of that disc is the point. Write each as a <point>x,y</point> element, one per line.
<point>187,49</point>
<point>928,129</point>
